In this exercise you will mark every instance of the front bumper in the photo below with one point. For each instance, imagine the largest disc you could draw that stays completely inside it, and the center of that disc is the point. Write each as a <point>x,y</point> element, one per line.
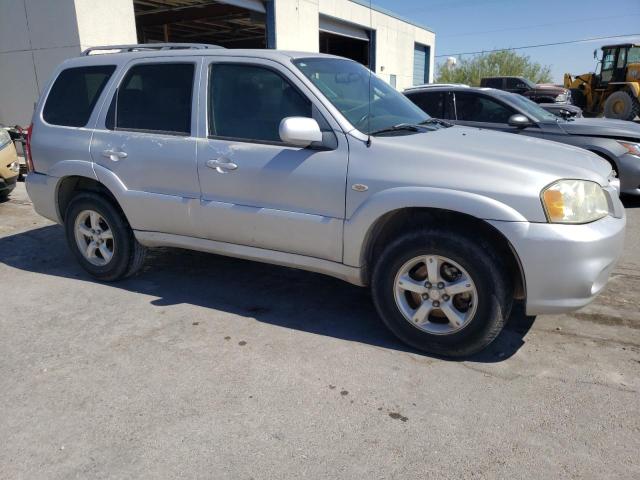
<point>629,173</point>
<point>565,266</point>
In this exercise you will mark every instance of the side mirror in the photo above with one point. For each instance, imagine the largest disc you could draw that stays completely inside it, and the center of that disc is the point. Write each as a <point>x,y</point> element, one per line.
<point>300,131</point>
<point>519,121</point>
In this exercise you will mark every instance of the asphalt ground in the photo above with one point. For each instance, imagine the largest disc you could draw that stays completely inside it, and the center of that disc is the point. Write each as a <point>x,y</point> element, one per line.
<point>211,367</point>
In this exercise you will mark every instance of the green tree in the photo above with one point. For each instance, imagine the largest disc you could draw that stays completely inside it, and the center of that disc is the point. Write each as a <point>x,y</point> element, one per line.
<point>505,62</point>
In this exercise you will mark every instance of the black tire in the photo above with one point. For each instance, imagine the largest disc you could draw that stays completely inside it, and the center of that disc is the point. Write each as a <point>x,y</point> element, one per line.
<point>495,293</point>
<point>4,196</point>
<point>128,254</point>
<point>629,106</point>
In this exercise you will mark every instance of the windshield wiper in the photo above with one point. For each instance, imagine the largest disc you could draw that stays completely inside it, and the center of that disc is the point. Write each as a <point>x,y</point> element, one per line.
<point>407,127</point>
<point>436,121</point>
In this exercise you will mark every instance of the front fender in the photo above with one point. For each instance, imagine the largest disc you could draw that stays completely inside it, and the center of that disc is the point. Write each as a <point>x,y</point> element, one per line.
<point>359,227</point>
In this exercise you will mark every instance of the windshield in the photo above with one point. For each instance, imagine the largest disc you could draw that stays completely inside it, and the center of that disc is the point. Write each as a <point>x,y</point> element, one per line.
<point>345,83</point>
<point>634,55</point>
<point>532,109</point>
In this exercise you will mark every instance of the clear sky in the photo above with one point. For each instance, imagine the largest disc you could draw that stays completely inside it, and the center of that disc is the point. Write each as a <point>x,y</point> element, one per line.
<point>471,25</point>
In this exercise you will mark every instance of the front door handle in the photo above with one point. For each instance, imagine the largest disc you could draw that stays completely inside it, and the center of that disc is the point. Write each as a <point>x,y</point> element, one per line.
<point>114,155</point>
<point>221,165</point>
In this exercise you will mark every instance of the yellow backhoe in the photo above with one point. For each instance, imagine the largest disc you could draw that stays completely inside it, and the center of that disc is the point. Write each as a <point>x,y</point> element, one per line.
<point>615,90</point>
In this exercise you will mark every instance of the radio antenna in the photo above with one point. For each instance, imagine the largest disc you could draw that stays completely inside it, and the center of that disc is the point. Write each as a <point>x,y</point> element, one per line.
<point>371,54</point>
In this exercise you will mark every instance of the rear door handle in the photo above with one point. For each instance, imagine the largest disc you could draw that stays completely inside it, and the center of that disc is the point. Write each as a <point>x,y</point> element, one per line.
<point>114,155</point>
<point>221,165</point>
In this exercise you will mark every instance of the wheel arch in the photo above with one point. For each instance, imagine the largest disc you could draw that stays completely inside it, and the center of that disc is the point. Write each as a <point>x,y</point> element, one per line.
<point>360,225</point>
<point>392,223</point>
<point>70,185</point>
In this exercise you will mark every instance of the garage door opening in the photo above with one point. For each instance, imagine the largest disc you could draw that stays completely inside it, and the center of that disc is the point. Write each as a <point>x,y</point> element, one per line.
<point>346,40</point>
<point>201,21</point>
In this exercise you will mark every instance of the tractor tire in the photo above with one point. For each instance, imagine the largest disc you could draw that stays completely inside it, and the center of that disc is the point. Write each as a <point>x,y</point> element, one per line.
<point>621,105</point>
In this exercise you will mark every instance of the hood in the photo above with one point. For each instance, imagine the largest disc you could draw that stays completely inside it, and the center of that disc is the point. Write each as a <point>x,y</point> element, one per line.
<point>498,151</point>
<point>506,167</point>
<point>602,127</point>
<point>555,89</point>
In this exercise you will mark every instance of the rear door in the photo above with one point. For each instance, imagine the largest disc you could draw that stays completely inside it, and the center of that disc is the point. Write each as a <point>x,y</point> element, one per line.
<point>608,65</point>
<point>256,190</point>
<point>145,136</point>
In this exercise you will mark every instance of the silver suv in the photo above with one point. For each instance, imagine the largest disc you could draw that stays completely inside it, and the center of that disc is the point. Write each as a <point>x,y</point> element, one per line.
<point>281,157</point>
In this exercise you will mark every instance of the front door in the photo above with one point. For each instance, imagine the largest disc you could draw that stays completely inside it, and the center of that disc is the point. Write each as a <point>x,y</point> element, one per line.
<point>145,136</point>
<point>257,191</point>
<point>609,58</point>
<point>477,110</point>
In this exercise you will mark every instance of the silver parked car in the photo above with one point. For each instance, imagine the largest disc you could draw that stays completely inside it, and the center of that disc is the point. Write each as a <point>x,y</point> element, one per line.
<point>280,157</point>
<point>617,141</point>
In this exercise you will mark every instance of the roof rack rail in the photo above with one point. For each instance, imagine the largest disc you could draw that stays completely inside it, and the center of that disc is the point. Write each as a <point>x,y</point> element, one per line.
<point>140,47</point>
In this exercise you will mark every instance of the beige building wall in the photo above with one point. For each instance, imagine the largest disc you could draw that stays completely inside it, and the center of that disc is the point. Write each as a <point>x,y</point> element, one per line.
<point>297,24</point>
<point>37,35</point>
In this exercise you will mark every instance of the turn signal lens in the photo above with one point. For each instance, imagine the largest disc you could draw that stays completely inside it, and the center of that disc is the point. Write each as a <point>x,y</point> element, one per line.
<point>574,201</point>
<point>554,201</point>
<point>632,148</point>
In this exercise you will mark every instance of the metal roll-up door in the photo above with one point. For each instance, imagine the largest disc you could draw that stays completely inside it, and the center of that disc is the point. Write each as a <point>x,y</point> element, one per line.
<point>421,62</point>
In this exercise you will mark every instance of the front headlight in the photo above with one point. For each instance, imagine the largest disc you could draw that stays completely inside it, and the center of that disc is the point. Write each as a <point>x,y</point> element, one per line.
<point>5,138</point>
<point>574,201</point>
<point>632,148</point>
<point>561,98</point>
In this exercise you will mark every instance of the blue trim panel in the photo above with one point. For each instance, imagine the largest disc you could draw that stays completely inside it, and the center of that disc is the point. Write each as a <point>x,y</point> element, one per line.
<point>271,24</point>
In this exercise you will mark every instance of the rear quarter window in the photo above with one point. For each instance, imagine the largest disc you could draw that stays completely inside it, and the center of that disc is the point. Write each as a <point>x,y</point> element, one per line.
<point>74,95</point>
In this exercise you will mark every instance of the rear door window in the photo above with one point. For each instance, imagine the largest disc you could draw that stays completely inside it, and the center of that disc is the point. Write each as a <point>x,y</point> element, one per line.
<point>479,108</point>
<point>155,98</point>
<point>74,95</point>
<point>431,103</point>
<point>516,84</point>
<point>492,83</point>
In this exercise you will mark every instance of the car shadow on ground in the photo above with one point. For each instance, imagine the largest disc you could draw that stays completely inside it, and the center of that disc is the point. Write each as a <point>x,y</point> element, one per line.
<point>276,295</point>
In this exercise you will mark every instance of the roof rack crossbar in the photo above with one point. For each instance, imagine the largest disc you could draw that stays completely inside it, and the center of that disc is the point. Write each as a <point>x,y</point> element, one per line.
<point>140,47</point>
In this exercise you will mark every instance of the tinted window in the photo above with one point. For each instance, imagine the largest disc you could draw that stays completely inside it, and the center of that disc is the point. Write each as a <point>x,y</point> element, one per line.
<point>478,108</point>
<point>516,83</point>
<point>430,102</point>
<point>249,102</point>
<point>492,83</point>
<point>154,97</point>
<point>74,94</point>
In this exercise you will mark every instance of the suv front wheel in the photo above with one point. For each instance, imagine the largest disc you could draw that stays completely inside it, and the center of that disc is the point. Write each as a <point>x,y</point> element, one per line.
<point>441,292</point>
<point>101,239</point>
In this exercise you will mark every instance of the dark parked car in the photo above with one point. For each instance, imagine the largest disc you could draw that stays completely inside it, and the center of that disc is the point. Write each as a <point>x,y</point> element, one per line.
<point>541,93</point>
<point>617,141</point>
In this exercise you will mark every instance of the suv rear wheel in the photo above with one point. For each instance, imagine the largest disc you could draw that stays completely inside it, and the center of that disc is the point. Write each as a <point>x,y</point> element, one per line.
<point>441,292</point>
<point>101,239</point>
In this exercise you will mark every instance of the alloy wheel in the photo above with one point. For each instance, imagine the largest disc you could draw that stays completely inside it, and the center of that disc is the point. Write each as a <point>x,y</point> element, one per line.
<point>94,238</point>
<point>435,294</point>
